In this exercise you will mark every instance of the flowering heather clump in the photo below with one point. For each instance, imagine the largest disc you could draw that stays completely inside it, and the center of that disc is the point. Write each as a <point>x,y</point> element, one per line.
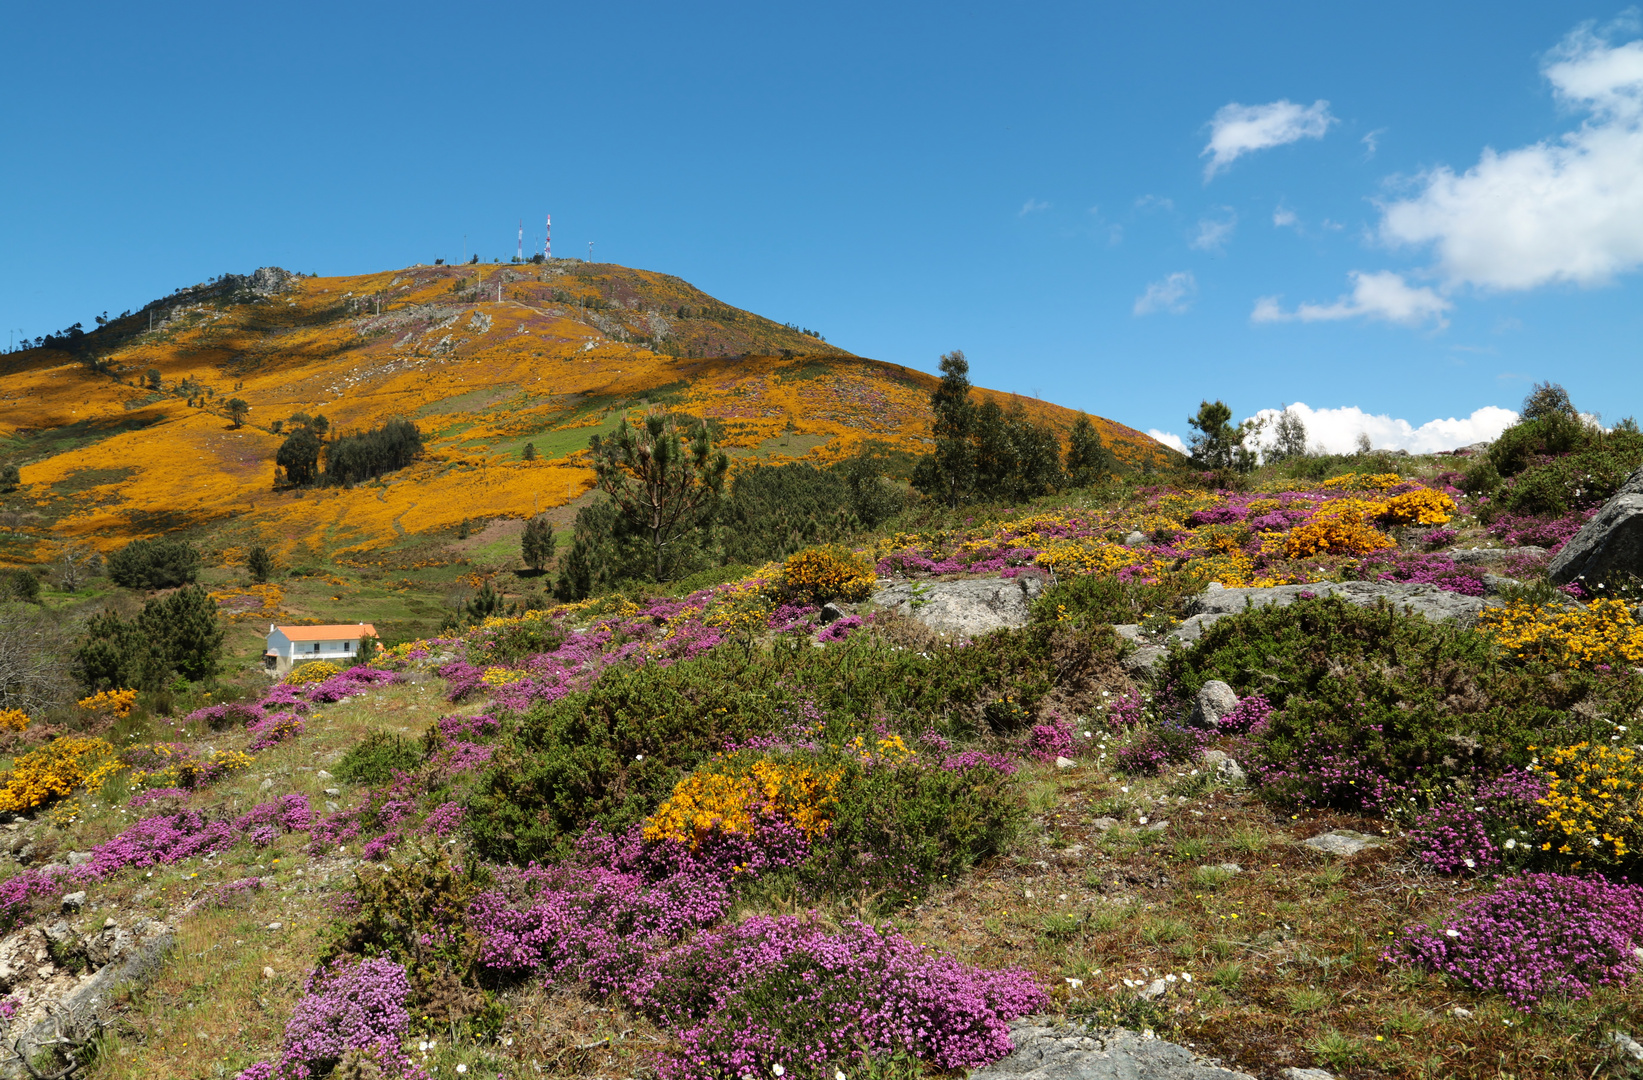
<point>783,991</point>
<point>1517,530</point>
<point>1451,839</point>
<point>839,629</point>
<point>348,1008</point>
<point>973,759</point>
<point>233,893</point>
<point>143,798</point>
<point>1424,569</point>
<point>274,730</point>
<point>1606,632</point>
<point>356,680</point>
<point>444,820</point>
<point>477,726</point>
<point>285,697</point>
<point>1536,935</point>
<point>1439,538</point>
<point>1249,716</point>
<point>1593,806</point>
<point>1046,742</point>
<point>233,714</point>
<point>1127,711</point>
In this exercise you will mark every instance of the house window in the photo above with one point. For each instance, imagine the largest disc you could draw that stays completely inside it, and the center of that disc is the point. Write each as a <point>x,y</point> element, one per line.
<point>316,646</point>
<point>347,646</point>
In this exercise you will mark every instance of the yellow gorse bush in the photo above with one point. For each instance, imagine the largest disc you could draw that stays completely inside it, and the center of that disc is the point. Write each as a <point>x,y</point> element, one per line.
<point>1338,528</point>
<point>312,672</point>
<point>1422,507</point>
<point>728,794</point>
<point>1594,800</point>
<point>1605,632</point>
<point>13,719</point>
<point>501,676</point>
<point>54,771</point>
<point>114,702</point>
<point>827,573</point>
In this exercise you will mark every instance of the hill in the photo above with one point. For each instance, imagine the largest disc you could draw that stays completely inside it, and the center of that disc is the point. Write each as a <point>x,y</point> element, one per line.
<point>123,432</point>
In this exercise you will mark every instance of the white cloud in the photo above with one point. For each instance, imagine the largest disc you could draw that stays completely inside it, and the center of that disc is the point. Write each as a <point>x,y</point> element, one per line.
<point>1168,438</point>
<point>1284,217</point>
<point>1154,202</point>
<point>1372,142</point>
<point>1380,295</point>
<point>1032,206</point>
<point>1242,129</point>
<point>1562,210</point>
<point>1174,294</point>
<point>1337,430</point>
<point>1213,233</point>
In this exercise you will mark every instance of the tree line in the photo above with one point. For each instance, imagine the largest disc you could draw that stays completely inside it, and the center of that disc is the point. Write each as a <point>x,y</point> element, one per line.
<point>347,459</point>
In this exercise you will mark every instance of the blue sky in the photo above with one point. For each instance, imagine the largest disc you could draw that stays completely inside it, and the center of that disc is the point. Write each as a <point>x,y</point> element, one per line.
<point>1411,211</point>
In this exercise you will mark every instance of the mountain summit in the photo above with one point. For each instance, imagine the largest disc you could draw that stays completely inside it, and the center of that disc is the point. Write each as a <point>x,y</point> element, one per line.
<point>126,431</point>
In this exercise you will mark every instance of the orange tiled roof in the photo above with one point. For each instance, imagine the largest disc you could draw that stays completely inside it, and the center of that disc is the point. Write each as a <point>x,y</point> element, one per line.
<point>336,632</point>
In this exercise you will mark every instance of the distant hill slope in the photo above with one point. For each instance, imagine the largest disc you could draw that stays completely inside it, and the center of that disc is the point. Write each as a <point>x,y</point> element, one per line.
<point>485,358</point>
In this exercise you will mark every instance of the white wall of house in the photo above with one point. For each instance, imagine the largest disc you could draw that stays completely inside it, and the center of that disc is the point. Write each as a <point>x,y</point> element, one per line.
<point>288,654</point>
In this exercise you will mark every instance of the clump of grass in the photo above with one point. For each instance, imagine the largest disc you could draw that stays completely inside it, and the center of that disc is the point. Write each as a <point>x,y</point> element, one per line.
<point>377,759</point>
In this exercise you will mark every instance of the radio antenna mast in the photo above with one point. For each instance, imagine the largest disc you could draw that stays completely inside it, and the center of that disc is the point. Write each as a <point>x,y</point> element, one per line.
<point>547,239</point>
<point>519,252</point>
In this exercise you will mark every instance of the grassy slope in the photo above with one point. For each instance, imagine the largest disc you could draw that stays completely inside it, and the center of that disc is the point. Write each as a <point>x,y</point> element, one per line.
<point>567,349</point>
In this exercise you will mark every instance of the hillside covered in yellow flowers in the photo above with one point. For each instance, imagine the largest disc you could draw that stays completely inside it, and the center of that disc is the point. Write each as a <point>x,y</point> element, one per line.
<point>124,432</point>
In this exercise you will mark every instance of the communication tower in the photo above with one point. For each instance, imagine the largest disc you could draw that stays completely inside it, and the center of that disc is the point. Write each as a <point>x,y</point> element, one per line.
<point>547,238</point>
<point>519,252</point>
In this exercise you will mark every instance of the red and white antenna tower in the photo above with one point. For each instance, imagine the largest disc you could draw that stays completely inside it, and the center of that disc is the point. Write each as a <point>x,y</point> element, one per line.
<point>519,252</point>
<point>547,238</point>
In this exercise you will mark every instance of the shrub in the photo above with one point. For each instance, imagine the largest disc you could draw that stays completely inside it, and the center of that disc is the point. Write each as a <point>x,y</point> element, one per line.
<point>377,758</point>
<point>1576,481</point>
<point>54,771</point>
<point>775,510</point>
<point>115,703</point>
<point>13,720</point>
<point>352,458</point>
<point>1603,633</point>
<point>900,831</point>
<point>1593,806</point>
<point>826,573</point>
<point>1367,700</point>
<point>731,794</point>
<point>1104,599</point>
<point>1536,935</point>
<point>349,1010</point>
<point>154,564</point>
<point>1423,506</point>
<point>19,585</point>
<point>315,671</point>
<point>260,562</point>
<point>1337,529</point>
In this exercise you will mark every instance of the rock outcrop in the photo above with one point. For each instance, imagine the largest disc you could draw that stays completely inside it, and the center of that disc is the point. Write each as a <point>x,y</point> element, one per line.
<point>271,281</point>
<point>1609,545</point>
<point>1073,1052</point>
<point>964,608</point>
<point>1428,600</point>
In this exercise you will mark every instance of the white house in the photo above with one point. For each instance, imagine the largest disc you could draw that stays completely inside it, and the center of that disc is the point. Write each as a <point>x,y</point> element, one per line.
<point>292,646</point>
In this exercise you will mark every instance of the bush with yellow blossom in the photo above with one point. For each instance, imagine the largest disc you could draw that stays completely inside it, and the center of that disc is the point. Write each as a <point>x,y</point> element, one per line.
<point>1338,528</point>
<point>55,771</point>
<point>1593,808</point>
<point>1605,632</point>
<point>313,672</point>
<point>116,703</point>
<point>1423,506</point>
<point>828,573</point>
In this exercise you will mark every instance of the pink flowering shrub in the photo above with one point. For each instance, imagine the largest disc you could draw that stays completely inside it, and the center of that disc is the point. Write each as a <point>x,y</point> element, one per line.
<point>1249,716</point>
<point>1046,742</point>
<point>274,730</point>
<point>1536,935</point>
<point>784,991</point>
<point>839,629</point>
<point>355,1007</point>
<point>230,715</point>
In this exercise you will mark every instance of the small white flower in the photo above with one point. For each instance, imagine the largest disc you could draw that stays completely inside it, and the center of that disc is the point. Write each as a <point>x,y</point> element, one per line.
<point>461,1068</point>
<point>1187,975</point>
<point>1470,864</point>
<point>423,1046</point>
<point>1074,983</point>
<point>1510,844</point>
<point>838,1074</point>
<point>778,1070</point>
<point>1452,933</point>
<point>639,757</point>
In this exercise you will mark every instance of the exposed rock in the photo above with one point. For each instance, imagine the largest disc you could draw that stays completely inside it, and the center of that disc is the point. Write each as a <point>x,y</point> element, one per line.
<point>1135,539</point>
<point>1144,659</point>
<point>1628,1046</point>
<point>1342,842</point>
<point>75,858</point>
<point>1075,1052</point>
<point>1225,767</point>
<point>1608,545</point>
<point>964,608</point>
<point>1214,701</point>
<point>1229,868</point>
<point>1153,648</point>
<point>1105,823</point>
<point>74,901</point>
<point>1064,763</point>
<point>271,281</point>
<point>1484,555</point>
<point>1428,600</point>
<point>830,614</point>
<point>1293,1073</point>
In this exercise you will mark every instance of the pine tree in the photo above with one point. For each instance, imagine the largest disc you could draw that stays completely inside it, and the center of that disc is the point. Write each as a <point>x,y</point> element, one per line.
<point>538,543</point>
<point>664,483</point>
<point>949,473</point>
<point>1088,459</point>
<point>260,563</point>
